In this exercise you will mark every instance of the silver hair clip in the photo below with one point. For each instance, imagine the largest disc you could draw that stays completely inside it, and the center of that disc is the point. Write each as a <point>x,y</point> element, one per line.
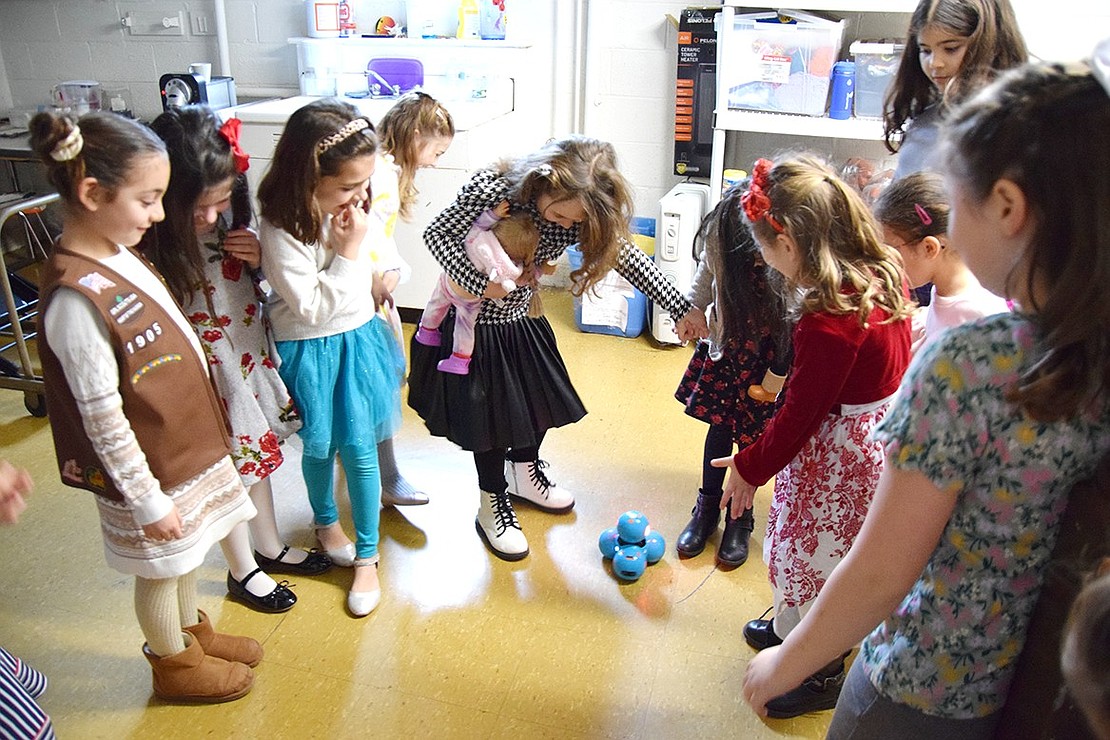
<point>544,170</point>
<point>69,147</point>
<point>348,129</point>
<point>1100,63</point>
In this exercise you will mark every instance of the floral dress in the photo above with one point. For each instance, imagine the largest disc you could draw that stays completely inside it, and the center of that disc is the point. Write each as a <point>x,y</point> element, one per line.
<point>951,646</point>
<point>236,339</point>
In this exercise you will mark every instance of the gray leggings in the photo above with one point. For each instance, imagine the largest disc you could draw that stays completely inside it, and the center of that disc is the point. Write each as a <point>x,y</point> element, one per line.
<point>862,714</point>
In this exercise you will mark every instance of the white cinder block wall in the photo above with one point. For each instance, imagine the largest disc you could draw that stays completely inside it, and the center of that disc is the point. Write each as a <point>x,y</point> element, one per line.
<point>624,51</point>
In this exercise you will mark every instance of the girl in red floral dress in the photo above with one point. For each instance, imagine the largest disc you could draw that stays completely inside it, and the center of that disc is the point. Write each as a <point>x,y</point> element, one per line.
<point>851,348</point>
<point>209,259</point>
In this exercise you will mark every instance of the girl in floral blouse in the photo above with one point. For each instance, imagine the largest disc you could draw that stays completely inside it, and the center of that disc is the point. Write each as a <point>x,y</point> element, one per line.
<point>209,259</point>
<point>994,423</point>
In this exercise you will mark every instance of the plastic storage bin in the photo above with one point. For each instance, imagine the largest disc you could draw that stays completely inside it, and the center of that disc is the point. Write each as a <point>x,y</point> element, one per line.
<point>613,307</point>
<point>876,65</point>
<point>783,63</point>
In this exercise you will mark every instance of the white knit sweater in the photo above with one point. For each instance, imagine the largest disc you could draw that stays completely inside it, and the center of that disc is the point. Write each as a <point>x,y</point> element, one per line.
<point>313,291</point>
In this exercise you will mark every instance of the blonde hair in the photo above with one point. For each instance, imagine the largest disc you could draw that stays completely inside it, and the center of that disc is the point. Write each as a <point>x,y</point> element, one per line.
<point>416,116</point>
<point>518,236</point>
<point>583,169</point>
<point>845,267</point>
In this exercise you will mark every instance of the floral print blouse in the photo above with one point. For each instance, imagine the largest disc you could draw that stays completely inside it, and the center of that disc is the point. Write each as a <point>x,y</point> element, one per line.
<point>951,646</point>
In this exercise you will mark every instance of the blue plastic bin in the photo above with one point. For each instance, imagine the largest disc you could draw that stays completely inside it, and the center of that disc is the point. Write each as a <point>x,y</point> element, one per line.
<point>636,316</point>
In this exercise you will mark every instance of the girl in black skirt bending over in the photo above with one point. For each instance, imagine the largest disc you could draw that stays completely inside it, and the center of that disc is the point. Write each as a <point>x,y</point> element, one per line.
<point>518,386</point>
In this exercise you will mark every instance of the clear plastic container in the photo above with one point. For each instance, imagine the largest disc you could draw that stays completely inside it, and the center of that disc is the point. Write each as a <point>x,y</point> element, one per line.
<point>876,65</point>
<point>782,63</point>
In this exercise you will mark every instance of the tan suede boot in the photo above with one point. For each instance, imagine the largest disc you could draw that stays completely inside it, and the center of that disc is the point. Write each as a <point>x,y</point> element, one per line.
<point>229,647</point>
<point>191,676</point>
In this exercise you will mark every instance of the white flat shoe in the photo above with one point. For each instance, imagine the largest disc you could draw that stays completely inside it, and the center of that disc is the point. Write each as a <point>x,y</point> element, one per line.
<point>362,603</point>
<point>341,556</point>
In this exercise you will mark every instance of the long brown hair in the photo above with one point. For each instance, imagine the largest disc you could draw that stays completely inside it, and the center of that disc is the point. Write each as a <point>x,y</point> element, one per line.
<point>1024,129</point>
<point>200,159</point>
<point>845,267</point>
<point>415,117</point>
<point>585,169</point>
<point>994,44</point>
<point>287,194</point>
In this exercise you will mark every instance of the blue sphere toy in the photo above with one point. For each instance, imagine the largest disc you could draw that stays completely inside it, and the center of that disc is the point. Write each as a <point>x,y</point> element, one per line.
<point>607,543</point>
<point>629,562</point>
<point>632,526</point>
<point>655,547</point>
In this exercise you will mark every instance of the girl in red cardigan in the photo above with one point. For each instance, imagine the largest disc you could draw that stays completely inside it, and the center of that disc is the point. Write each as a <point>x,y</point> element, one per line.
<point>851,347</point>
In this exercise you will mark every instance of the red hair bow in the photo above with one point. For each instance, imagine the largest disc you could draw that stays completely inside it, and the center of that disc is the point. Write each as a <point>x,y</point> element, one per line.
<point>755,202</point>
<point>230,131</point>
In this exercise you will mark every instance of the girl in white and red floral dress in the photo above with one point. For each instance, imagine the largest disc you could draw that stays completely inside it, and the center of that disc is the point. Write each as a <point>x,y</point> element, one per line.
<point>851,348</point>
<point>210,262</point>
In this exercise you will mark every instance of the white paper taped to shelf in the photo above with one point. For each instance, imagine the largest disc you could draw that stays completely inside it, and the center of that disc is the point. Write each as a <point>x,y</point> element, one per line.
<point>607,303</point>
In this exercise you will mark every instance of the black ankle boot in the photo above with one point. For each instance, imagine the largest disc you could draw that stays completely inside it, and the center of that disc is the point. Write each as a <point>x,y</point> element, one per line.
<point>733,550</point>
<point>703,522</point>
<point>817,693</point>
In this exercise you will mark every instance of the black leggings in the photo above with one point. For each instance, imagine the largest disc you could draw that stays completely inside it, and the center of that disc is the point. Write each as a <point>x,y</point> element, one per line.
<point>491,465</point>
<point>718,443</point>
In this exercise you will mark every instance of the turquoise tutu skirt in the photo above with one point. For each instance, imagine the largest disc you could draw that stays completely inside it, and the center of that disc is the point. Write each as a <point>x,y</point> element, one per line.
<point>347,386</point>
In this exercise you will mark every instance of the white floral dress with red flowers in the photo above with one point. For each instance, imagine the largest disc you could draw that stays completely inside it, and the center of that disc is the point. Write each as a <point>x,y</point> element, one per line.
<point>236,339</point>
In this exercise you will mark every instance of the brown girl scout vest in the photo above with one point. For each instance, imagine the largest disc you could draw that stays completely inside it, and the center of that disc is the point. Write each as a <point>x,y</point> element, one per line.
<point>168,398</point>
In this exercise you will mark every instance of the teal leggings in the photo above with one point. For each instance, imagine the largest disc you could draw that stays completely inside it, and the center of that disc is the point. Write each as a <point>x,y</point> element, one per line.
<point>363,483</point>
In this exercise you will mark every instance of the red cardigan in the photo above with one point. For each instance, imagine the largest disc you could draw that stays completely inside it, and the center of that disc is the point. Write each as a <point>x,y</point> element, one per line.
<point>836,361</point>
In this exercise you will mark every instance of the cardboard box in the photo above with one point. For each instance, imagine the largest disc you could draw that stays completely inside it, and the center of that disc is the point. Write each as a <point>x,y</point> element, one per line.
<point>695,91</point>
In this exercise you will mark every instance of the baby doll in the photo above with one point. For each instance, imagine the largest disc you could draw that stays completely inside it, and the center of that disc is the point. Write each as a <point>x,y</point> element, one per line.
<point>501,245</point>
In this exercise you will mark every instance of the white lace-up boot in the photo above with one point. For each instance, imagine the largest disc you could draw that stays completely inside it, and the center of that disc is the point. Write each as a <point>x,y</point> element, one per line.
<point>529,482</point>
<point>499,528</point>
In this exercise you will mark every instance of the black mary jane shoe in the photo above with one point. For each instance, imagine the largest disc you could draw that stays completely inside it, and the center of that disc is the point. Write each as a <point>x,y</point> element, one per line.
<point>760,633</point>
<point>313,565</point>
<point>817,693</point>
<point>281,599</point>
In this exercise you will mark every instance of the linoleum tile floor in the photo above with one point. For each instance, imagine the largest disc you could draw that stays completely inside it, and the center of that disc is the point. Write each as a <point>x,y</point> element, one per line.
<point>463,645</point>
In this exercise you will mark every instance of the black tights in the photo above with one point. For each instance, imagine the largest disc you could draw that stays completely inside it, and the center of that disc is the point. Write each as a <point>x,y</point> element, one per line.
<point>491,464</point>
<point>718,443</point>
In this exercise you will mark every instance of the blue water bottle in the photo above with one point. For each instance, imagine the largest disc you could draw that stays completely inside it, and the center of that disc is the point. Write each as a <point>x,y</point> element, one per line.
<point>843,90</point>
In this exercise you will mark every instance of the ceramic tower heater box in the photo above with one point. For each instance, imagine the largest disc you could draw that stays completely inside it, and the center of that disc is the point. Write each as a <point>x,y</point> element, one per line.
<point>680,213</point>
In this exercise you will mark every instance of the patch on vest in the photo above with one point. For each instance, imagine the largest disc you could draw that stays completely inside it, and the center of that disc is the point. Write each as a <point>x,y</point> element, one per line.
<point>90,476</point>
<point>156,362</point>
<point>96,282</point>
<point>126,308</point>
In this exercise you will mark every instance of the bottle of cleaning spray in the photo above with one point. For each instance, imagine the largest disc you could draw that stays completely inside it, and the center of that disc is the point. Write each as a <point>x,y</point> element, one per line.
<point>469,20</point>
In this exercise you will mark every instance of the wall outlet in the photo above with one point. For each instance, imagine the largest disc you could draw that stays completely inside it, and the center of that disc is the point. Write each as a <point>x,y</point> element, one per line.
<point>202,24</point>
<point>154,23</point>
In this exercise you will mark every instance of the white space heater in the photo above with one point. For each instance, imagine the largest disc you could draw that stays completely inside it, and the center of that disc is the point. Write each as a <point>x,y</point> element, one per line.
<point>680,213</point>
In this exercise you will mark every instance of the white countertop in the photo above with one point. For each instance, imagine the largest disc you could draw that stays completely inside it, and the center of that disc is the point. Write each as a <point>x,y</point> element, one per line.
<point>467,113</point>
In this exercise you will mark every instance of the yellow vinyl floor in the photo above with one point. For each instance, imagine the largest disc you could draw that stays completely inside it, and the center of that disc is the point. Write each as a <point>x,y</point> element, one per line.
<point>463,645</point>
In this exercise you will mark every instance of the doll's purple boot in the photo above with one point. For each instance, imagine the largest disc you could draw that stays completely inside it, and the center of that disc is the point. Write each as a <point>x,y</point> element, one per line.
<point>455,364</point>
<point>427,337</point>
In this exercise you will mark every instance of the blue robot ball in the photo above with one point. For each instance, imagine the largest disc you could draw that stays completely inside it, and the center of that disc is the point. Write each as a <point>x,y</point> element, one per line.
<point>629,562</point>
<point>655,547</point>
<point>607,543</point>
<point>632,526</point>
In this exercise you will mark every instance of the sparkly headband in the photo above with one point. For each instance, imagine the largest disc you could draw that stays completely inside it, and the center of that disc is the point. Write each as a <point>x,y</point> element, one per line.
<point>349,129</point>
<point>69,147</point>
<point>755,202</point>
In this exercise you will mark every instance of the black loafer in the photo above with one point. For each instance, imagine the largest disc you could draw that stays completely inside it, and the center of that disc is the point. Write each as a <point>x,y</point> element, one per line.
<point>817,693</point>
<point>760,634</point>
<point>313,565</point>
<point>281,599</point>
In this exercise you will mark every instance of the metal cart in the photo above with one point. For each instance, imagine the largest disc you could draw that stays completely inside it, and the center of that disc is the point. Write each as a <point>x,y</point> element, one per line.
<point>17,322</point>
